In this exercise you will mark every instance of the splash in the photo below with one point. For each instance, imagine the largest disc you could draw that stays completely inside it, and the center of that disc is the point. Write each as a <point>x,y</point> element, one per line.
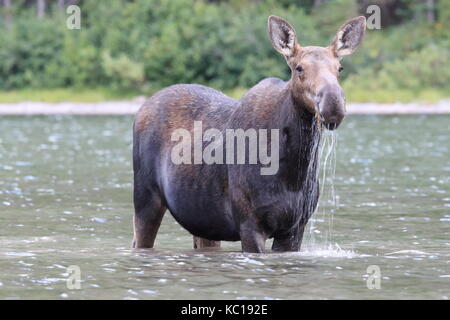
<point>318,236</point>
<point>329,251</point>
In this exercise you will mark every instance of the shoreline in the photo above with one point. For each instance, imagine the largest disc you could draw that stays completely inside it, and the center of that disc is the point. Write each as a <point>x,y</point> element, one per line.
<point>130,108</point>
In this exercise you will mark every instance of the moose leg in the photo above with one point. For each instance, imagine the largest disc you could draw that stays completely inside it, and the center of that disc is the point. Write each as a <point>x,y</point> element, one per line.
<point>149,211</point>
<point>252,239</point>
<point>202,243</point>
<point>292,241</point>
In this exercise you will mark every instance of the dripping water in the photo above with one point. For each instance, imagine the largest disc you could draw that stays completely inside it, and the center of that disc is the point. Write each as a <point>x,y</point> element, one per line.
<point>318,236</point>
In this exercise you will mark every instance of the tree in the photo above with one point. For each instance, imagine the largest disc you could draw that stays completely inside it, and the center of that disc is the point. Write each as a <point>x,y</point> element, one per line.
<point>8,16</point>
<point>430,11</point>
<point>40,5</point>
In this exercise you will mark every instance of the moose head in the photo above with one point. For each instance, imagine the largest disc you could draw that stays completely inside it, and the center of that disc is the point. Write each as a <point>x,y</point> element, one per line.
<point>315,70</point>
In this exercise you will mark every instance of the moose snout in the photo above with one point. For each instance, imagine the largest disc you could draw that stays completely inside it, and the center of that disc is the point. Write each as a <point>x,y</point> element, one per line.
<point>331,104</point>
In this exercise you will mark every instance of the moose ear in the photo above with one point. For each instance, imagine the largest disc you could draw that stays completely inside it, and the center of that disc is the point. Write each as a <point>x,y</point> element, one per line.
<point>282,35</point>
<point>349,37</point>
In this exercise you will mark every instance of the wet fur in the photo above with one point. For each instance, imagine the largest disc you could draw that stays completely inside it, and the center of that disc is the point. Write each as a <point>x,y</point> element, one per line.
<point>227,202</point>
<point>235,202</point>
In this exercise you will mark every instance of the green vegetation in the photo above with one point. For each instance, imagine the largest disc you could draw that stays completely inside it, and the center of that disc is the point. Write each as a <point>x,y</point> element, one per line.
<point>132,47</point>
<point>65,94</point>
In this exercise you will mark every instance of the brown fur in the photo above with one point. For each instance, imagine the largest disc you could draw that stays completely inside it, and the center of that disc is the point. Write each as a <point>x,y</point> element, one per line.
<point>235,202</point>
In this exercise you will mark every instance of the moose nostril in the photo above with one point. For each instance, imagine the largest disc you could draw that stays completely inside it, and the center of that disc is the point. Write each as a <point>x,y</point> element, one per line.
<point>320,94</point>
<point>319,97</point>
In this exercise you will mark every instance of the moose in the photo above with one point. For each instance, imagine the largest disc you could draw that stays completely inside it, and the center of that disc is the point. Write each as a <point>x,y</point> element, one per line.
<point>234,202</point>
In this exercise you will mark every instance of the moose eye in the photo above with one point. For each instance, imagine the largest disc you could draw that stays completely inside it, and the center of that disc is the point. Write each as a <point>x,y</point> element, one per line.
<point>340,69</point>
<point>300,70</point>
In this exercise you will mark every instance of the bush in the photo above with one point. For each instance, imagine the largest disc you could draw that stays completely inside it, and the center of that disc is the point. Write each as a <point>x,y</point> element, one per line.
<point>143,45</point>
<point>122,71</point>
<point>26,49</point>
<point>414,73</point>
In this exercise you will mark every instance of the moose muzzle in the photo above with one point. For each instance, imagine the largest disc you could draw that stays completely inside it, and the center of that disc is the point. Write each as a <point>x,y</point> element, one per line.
<point>331,105</point>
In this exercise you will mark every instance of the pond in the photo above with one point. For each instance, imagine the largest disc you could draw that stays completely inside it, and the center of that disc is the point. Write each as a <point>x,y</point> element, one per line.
<point>382,230</point>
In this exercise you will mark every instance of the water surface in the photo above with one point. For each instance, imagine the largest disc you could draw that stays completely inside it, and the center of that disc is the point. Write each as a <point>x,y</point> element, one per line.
<point>65,199</point>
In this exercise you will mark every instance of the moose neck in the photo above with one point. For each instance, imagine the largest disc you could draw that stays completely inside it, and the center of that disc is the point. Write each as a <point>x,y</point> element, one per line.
<point>301,134</point>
